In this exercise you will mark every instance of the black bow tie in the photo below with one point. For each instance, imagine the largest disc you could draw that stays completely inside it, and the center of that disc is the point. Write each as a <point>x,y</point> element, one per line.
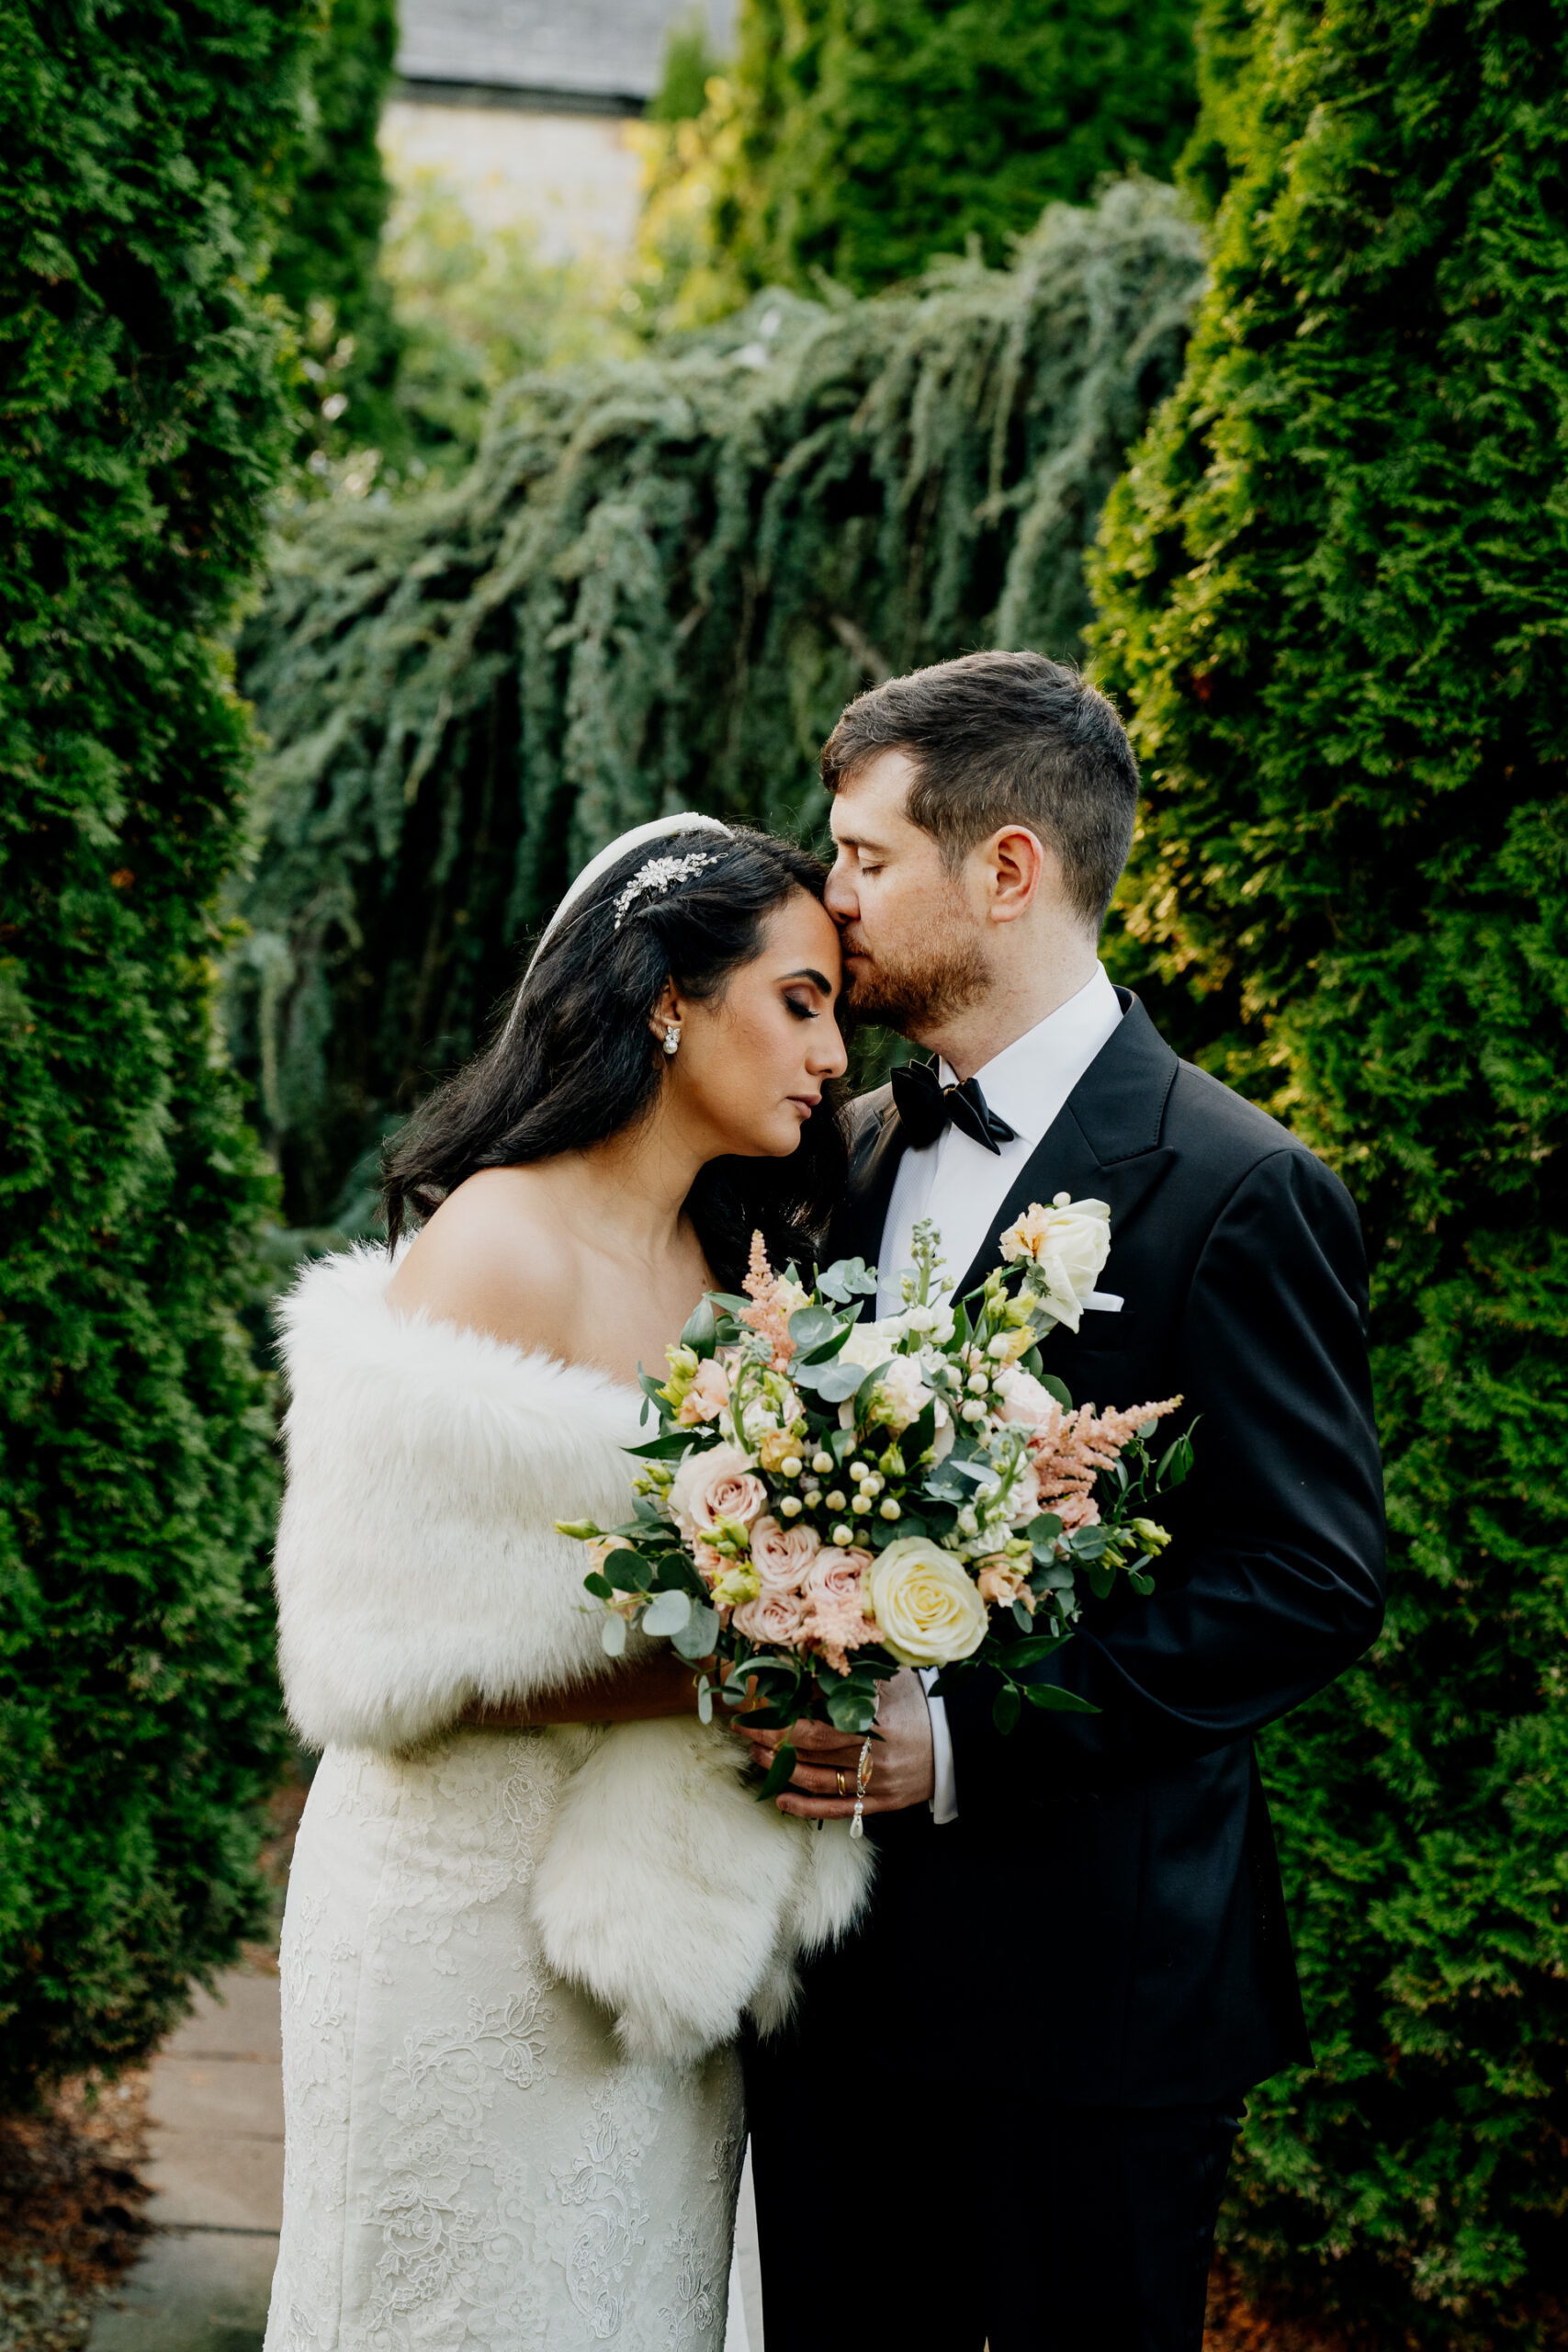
<point>925,1105</point>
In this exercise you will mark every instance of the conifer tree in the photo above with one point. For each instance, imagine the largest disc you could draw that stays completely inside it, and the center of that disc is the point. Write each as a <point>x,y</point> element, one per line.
<point>875,134</point>
<point>1332,592</point>
<point>142,149</point>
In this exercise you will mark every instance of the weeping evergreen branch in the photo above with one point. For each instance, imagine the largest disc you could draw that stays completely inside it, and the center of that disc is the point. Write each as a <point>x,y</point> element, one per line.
<point>655,590</point>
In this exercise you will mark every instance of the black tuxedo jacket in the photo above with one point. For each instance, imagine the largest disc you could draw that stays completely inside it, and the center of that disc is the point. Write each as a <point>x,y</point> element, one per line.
<point>1111,1878</point>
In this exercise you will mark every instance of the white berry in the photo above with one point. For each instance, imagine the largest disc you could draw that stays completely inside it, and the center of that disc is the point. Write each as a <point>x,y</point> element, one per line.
<point>791,1506</point>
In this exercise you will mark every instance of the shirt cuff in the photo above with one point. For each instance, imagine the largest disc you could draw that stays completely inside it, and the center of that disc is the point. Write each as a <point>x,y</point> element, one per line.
<point>944,1786</point>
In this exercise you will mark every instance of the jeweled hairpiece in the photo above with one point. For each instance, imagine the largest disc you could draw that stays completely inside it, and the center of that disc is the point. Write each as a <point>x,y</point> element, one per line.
<point>661,873</point>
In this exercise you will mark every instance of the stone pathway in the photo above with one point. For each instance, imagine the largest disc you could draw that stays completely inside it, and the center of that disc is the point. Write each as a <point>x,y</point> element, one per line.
<point>215,2119</point>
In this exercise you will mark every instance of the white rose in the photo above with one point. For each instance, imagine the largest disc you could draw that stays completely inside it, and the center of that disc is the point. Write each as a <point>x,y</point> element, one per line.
<point>1068,1244</point>
<point>868,1345</point>
<point>927,1609</point>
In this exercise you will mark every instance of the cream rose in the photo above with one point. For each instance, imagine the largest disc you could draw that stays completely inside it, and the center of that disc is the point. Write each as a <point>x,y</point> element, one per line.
<point>718,1485</point>
<point>1024,1399</point>
<point>925,1605</point>
<point>1069,1243</point>
<point>773,1617</point>
<point>782,1554</point>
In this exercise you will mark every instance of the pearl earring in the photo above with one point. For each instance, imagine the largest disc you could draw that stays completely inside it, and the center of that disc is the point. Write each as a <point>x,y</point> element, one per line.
<point>671,1037</point>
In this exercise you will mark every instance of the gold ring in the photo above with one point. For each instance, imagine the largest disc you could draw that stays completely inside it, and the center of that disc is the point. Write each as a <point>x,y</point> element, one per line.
<point>843,1791</point>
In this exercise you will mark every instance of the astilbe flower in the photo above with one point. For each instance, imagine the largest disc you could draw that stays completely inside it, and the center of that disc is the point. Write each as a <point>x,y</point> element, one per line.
<point>835,1623</point>
<point>1070,1450</point>
<point>768,1314</point>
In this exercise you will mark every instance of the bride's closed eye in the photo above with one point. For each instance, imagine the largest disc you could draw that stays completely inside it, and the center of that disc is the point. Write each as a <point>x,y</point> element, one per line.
<point>802,1007</point>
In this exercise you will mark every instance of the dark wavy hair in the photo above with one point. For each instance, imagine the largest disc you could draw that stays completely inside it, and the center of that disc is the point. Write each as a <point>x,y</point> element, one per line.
<point>575,1063</point>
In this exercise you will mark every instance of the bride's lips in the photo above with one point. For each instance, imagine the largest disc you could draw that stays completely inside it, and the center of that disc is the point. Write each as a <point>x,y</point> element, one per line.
<point>805,1103</point>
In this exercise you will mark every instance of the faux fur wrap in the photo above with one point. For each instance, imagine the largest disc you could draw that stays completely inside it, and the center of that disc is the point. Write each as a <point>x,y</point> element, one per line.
<point>418,1569</point>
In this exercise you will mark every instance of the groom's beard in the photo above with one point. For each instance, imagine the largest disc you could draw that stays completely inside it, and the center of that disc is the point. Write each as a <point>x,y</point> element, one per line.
<point>918,991</point>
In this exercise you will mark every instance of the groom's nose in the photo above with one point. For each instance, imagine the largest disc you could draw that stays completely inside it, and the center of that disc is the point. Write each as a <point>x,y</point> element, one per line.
<point>839,897</point>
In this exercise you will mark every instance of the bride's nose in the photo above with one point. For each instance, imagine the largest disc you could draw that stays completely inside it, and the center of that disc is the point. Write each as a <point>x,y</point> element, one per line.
<point>826,1057</point>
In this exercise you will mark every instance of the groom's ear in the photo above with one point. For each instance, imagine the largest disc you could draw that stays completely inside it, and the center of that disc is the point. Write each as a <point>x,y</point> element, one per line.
<point>1016,865</point>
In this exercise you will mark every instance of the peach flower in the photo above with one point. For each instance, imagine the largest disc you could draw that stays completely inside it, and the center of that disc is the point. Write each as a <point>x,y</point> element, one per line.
<point>782,1554</point>
<point>708,1395</point>
<point>715,1484</point>
<point>1002,1581</point>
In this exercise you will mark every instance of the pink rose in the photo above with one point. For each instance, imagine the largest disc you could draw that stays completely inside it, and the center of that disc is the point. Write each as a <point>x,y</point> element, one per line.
<point>836,1573</point>
<point>774,1618</point>
<point>708,1395</point>
<point>782,1555</point>
<point>714,1485</point>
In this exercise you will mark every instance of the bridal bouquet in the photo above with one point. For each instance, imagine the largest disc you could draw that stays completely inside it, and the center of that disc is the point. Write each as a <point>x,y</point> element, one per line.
<point>828,1501</point>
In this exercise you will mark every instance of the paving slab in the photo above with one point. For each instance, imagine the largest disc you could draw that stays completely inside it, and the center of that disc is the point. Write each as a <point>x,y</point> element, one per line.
<point>196,2290</point>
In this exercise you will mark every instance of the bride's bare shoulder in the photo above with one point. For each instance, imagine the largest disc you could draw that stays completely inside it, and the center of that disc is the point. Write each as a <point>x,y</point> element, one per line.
<point>497,1257</point>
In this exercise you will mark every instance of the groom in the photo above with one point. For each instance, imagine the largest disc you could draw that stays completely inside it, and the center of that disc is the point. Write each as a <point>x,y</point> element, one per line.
<point>1006,2108</point>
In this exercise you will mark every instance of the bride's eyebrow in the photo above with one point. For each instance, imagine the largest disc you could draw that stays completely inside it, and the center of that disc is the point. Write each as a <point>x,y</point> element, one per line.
<point>806,973</point>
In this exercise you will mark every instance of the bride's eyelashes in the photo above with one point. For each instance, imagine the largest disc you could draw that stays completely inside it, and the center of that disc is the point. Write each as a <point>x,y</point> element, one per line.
<point>802,1007</point>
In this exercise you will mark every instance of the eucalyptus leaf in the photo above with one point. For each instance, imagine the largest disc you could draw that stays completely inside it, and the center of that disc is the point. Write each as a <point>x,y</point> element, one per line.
<point>600,1587</point>
<point>698,1637</point>
<point>851,1709</point>
<point>1140,1583</point>
<point>810,1326</point>
<point>847,1278</point>
<point>668,1612</point>
<point>1004,1709</point>
<point>612,1636</point>
<point>704,1701</point>
<point>628,1572</point>
<point>1058,1389</point>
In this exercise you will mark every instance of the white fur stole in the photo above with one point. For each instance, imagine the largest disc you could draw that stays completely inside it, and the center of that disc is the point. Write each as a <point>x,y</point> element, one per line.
<point>419,1569</point>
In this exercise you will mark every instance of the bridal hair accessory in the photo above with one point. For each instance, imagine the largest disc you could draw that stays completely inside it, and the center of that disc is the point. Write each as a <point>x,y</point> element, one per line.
<point>659,828</point>
<point>659,876</point>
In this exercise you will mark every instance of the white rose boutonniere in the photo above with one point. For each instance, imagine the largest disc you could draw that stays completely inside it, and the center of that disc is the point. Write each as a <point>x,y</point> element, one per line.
<point>926,1606</point>
<point>1065,1247</point>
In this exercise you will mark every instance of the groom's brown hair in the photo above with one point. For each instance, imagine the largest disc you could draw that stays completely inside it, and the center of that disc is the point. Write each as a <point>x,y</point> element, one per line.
<point>1000,739</point>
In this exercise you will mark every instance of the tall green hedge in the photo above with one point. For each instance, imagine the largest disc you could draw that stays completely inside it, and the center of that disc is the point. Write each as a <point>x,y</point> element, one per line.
<point>655,591</point>
<point>143,148</point>
<point>1334,589</point>
<point>325,256</point>
<point>877,133</point>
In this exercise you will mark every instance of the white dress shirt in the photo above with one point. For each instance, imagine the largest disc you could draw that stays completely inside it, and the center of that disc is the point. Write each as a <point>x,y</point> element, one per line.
<point>961,1185</point>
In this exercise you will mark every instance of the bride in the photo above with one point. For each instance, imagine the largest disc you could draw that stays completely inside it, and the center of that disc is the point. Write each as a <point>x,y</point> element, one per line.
<point>532,1897</point>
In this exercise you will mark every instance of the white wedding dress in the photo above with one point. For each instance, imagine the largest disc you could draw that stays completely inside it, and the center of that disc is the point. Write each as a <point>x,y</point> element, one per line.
<point>513,1963</point>
<point>472,2166</point>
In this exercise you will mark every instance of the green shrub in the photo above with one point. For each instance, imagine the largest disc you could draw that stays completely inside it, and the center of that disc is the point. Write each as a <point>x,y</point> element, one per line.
<point>877,133</point>
<point>144,148</point>
<point>655,591</point>
<point>1333,589</point>
<point>325,259</point>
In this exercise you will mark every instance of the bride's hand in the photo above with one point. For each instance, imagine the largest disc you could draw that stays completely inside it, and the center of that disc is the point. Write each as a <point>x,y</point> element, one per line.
<point>903,1765</point>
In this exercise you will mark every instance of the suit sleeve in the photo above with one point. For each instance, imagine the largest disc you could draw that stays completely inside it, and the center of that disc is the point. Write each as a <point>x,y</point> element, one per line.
<point>1274,1583</point>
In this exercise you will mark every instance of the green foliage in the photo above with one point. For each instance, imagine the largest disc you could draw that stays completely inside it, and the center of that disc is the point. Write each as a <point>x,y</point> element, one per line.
<point>325,262</point>
<point>1333,587</point>
<point>146,420</point>
<point>473,311</point>
<point>689,62</point>
<point>875,134</point>
<point>656,590</point>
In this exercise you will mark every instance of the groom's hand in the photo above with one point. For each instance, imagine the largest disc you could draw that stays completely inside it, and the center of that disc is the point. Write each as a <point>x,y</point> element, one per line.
<point>903,1769</point>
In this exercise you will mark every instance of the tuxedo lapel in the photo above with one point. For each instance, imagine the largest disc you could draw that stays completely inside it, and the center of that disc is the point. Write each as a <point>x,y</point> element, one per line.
<point>1104,1143</point>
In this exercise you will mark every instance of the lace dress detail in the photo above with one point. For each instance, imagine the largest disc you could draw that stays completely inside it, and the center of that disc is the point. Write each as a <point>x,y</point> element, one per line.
<point>471,2163</point>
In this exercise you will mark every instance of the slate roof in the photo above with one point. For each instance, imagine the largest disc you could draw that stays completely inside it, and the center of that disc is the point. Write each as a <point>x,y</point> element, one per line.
<point>587,54</point>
